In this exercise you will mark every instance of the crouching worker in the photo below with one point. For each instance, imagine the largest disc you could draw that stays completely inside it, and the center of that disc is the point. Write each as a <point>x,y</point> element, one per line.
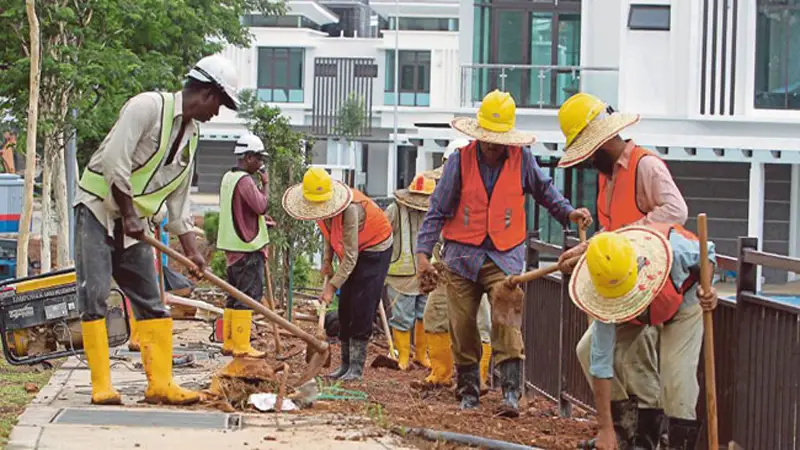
<point>357,232</point>
<point>628,280</point>
<point>243,235</point>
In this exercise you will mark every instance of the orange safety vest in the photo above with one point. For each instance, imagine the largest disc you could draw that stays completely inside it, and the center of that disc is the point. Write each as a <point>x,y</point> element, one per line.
<point>376,229</point>
<point>501,217</point>
<point>668,301</point>
<point>623,209</point>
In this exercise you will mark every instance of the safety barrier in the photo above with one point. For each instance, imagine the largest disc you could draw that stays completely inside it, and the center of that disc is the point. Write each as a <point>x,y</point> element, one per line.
<point>757,350</point>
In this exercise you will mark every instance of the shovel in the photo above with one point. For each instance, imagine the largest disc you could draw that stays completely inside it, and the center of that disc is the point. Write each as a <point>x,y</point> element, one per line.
<point>320,331</point>
<point>708,337</point>
<point>507,297</point>
<point>389,362</point>
<point>320,347</point>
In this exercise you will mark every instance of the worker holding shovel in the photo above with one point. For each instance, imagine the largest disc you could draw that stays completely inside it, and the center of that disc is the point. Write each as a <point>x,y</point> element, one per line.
<point>359,234</point>
<point>478,207</point>
<point>632,278</point>
<point>145,161</point>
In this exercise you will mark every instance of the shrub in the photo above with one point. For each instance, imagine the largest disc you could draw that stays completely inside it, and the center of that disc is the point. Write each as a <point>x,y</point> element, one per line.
<point>219,264</point>
<point>210,226</point>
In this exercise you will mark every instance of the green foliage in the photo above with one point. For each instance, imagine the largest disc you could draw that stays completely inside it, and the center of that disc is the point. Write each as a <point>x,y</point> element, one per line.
<point>351,118</point>
<point>219,265</point>
<point>302,271</point>
<point>288,155</point>
<point>211,226</point>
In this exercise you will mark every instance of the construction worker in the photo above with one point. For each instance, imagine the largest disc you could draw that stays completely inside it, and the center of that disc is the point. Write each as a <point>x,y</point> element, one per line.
<point>145,161</point>
<point>635,277</point>
<point>408,303</point>
<point>243,235</point>
<point>478,207</point>
<point>435,317</point>
<point>359,234</point>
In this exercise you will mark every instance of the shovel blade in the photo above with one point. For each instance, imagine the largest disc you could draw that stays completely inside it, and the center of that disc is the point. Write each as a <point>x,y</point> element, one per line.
<point>506,304</point>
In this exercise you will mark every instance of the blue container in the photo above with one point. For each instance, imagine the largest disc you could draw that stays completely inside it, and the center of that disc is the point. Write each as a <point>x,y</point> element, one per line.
<point>11,192</point>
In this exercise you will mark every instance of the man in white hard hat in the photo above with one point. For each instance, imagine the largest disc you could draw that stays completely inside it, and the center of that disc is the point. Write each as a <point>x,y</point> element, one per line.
<point>243,235</point>
<point>145,161</point>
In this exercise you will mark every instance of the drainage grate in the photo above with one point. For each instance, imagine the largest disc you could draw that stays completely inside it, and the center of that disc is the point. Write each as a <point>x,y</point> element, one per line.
<point>148,418</point>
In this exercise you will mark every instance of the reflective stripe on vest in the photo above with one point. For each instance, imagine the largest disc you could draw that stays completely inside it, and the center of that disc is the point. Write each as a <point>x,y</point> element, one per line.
<point>501,217</point>
<point>376,227</point>
<point>669,300</point>
<point>227,236</point>
<point>147,203</point>
<point>402,263</point>
<point>622,209</point>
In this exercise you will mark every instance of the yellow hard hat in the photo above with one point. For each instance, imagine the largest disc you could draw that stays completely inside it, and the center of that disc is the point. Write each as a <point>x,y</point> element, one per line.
<point>612,264</point>
<point>498,112</point>
<point>577,112</point>
<point>317,185</point>
<point>422,185</point>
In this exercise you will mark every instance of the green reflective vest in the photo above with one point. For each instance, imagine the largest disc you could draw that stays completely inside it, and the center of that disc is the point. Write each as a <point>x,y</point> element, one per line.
<point>227,237</point>
<point>402,263</point>
<point>147,200</point>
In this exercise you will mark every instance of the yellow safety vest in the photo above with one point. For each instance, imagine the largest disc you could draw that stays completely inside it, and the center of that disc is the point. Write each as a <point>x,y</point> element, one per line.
<point>227,237</point>
<point>147,203</point>
<point>402,263</point>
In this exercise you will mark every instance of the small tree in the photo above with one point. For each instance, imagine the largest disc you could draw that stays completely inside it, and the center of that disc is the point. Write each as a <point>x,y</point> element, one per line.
<point>350,123</point>
<point>288,156</point>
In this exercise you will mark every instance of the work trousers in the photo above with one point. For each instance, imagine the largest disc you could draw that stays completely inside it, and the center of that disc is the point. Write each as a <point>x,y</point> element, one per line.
<point>464,299</point>
<point>247,275</point>
<point>674,388</point>
<point>436,319</point>
<point>360,294</point>
<point>98,258</point>
<point>406,309</point>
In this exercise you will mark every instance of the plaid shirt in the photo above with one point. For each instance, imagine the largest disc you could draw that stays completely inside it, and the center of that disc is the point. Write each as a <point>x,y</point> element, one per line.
<point>466,260</point>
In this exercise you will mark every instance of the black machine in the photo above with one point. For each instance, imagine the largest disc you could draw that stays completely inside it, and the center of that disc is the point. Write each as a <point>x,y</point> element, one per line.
<point>40,318</point>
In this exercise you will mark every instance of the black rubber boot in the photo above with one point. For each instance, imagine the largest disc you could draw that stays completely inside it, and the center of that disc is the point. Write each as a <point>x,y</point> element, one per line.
<point>358,355</point>
<point>648,428</point>
<point>682,434</point>
<point>468,385</point>
<point>345,364</point>
<point>625,415</point>
<point>511,374</point>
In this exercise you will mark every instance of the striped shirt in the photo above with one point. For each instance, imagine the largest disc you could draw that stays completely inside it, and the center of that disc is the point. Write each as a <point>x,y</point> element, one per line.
<point>466,260</point>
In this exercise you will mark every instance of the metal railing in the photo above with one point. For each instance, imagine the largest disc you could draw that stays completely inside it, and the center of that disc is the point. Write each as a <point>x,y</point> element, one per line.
<point>537,86</point>
<point>757,350</point>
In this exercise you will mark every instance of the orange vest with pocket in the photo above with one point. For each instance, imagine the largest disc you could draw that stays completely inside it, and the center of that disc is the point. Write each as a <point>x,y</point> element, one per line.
<point>623,209</point>
<point>501,217</point>
<point>668,301</point>
<point>376,227</point>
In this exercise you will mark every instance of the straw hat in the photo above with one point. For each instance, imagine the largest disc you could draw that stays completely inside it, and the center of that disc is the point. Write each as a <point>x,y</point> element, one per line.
<point>417,196</point>
<point>318,197</point>
<point>494,122</point>
<point>587,122</point>
<point>621,273</point>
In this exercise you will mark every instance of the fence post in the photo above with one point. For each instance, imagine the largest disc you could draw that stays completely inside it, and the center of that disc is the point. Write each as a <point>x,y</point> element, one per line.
<point>564,406</point>
<point>746,280</point>
<point>531,261</point>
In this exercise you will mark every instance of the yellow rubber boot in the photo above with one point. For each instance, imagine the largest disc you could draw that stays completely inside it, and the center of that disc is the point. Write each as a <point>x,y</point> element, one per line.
<point>402,342</point>
<point>227,342</point>
<point>133,342</point>
<point>95,347</point>
<point>156,338</point>
<point>441,360</point>
<point>241,322</point>
<point>486,357</point>
<point>421,345</point>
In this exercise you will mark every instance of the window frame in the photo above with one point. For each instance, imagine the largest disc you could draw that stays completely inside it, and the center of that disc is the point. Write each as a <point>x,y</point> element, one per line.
<point>769,6</point>
<point>416,63</point>
<point>641,7</point>
<point>293,55</point>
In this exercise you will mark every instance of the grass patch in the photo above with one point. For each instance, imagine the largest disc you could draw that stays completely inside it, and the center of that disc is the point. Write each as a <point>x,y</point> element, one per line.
<point>13,396</point>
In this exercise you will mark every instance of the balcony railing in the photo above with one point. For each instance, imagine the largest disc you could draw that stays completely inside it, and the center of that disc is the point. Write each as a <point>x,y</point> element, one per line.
<point>537,86</point>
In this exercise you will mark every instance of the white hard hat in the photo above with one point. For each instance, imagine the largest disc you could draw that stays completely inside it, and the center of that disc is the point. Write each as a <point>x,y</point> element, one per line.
<point>249,143</point>
<point>219,71</point>
<point>454,145</point>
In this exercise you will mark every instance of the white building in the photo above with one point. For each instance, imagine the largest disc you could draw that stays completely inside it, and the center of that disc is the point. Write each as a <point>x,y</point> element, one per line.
<point>717,83</point>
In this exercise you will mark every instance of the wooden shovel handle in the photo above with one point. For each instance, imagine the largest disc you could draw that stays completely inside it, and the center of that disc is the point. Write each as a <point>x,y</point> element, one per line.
<point>708,337</point>
<point>532,275</point>
<point>318,345</point>
<point>321,318</point>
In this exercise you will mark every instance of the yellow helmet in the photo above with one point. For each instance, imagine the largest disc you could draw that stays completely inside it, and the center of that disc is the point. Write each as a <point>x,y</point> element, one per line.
<point>612,263</point>
<point>422,185</point>
<point>317,185</point>
<point>577,112</point>
<point>498,112</point>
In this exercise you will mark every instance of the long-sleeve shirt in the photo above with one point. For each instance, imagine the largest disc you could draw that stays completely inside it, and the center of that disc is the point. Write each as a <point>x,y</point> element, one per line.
<point>686,256</point>
<point>404,285</point>
<point>249,204</point>
<point>353,218</point>
<point>132,141</point>
<point>466,260</point>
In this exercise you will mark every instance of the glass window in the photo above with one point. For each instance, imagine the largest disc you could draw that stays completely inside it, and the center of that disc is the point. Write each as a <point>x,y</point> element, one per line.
<point>280,74</point>
<point>288,21</point>
<point>648,17</point>
<point>414,83</point>
<point>777,80</point>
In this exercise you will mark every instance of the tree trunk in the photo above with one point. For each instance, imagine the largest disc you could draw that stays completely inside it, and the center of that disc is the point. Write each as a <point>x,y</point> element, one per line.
<point>62,208</point>
<point>30,157</point>
<point>47,204</point>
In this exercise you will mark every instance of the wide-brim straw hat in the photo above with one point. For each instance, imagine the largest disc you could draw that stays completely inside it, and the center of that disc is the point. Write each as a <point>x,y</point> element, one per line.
<point>470,127</point>
<point>420,202</point>
<point>655,262</point>
<point>596,133</point>
<point>435,174</point>
<point>297,206</point>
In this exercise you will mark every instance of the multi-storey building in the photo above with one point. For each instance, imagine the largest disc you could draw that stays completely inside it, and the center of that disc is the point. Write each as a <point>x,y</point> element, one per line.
<point>717,83</point>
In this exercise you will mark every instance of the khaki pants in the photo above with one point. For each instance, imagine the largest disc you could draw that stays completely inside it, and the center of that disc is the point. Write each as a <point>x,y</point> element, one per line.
<point>675,388</point>
<point>464,300</point>
<point>435,317</point>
